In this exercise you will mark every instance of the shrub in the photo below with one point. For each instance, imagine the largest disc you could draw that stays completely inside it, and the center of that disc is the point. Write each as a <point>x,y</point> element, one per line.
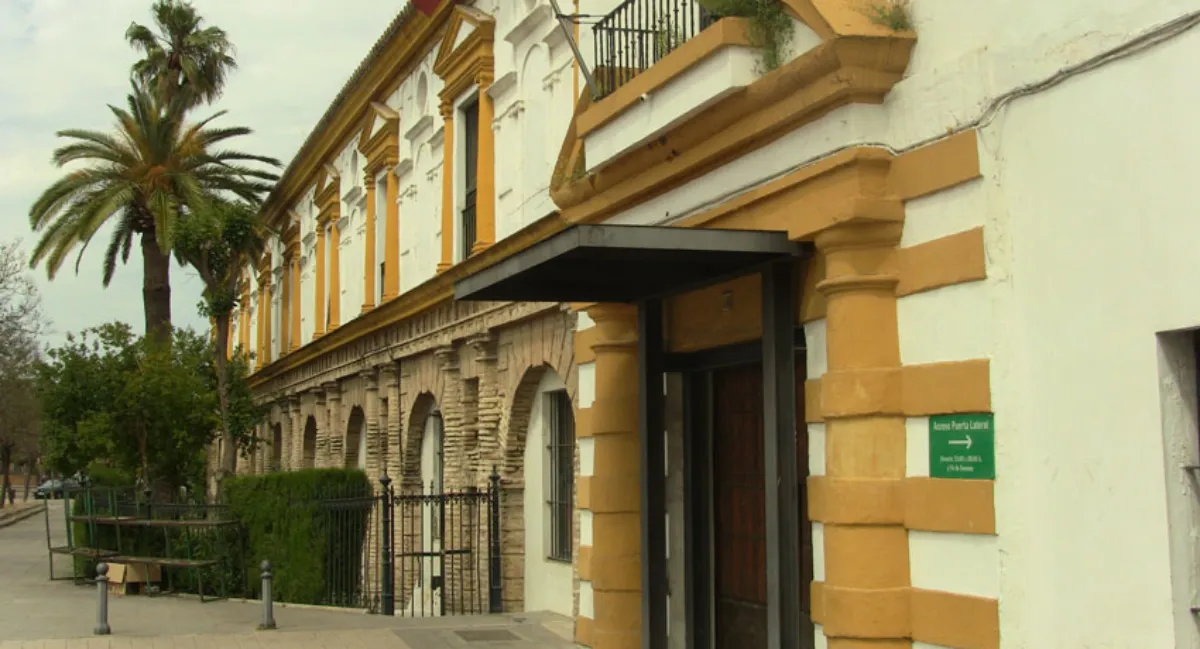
<point>311,525</point>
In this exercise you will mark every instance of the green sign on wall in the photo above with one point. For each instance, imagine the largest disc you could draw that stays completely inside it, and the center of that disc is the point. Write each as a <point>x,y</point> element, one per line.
<point>963,447</point>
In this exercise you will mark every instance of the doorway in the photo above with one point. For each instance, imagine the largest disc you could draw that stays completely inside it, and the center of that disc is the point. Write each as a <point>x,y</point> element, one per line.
<point>728,468</point>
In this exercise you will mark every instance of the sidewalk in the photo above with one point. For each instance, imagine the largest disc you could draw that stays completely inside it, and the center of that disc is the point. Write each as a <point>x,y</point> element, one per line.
<point>40,614</point>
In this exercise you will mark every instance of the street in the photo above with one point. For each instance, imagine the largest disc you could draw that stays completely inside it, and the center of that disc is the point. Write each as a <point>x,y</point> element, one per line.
<point>37,613</point>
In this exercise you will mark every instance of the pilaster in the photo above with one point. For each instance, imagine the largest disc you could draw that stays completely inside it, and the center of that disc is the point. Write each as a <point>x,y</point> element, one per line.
<point>448,207</point>
<point>866,564</point>
<point>295,436</point>
<point>376,445</point>
<point>616,563</point>
<point>454,439</point>
<point>489,407</point>
<point>335,436</point>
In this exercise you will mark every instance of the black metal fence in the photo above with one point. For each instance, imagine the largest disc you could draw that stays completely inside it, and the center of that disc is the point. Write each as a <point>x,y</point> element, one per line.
<point>349,520</point>
<point>638,33</point>
<point>408,551</point>
<point>445,548</point>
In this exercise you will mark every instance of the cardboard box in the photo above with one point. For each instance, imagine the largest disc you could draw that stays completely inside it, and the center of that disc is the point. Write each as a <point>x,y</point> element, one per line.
<point>129,579</point>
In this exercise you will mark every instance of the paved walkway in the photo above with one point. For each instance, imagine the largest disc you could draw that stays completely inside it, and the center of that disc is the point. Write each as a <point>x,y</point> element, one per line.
<point>36,613</point>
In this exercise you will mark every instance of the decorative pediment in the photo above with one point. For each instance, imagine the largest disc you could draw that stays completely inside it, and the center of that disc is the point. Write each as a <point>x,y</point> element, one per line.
<point>380,139</point>
<point>465,54</point>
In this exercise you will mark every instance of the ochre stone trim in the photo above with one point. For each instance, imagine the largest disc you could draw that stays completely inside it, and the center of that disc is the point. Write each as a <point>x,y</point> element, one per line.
<point>953,620</point>
<point>855,501</point>
<point>934,617</point>
<point>941,388</point>
<point>812,401</point>
<point>936,166</point>
<point>584,340</point>
<point>583,492</point>
<point>727,32</point>
<point>583,423</point>
<point>927,504</point>
<point>955,259</point>
<point>912,390</point>
<point>869,613</point>
<point>937,505</point>
<point>585,633</point>
<point>584,562</point>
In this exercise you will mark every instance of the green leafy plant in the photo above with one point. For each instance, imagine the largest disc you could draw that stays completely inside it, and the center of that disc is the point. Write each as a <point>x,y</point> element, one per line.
<point>892,14</point>
<point>287,523</point>
<point>771,28</point>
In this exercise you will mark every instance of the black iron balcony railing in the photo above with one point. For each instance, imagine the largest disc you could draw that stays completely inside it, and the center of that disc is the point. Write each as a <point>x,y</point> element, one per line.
<point>638,33</point>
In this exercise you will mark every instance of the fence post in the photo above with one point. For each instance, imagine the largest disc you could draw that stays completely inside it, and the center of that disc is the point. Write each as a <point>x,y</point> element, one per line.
<point>389,583</point>
<point>495,604</point>
<point>268,618</point>
<point>102,627</point>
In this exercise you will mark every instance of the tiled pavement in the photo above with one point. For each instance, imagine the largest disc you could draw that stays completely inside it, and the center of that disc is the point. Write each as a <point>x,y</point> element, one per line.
<point>36,613</point>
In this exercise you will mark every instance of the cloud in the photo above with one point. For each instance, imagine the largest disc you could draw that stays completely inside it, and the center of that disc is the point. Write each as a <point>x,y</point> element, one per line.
<point>63,61</point>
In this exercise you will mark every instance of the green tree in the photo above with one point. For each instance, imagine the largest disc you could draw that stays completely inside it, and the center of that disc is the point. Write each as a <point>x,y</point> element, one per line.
<point>145,406</point>
<point>219,241</point>
<point>183,57</point>
<point>21,322</point>
<point>152,168</point>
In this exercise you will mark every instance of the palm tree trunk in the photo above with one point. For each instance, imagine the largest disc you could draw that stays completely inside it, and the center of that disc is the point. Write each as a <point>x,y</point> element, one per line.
<point>156,286</point>
<point>221,362</point>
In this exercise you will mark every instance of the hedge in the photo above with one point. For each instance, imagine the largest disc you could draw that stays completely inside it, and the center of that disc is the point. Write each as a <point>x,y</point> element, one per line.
<point>311,525</point>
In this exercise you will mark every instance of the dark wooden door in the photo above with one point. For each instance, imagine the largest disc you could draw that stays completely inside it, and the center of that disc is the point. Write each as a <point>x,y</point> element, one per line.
<point>739,499</point>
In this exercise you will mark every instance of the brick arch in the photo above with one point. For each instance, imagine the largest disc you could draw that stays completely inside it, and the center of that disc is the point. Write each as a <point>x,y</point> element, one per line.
<point>308,455</point>
<point>356,424</point>
<point>410,460</point>
<point>514,431</point>
<point>519,394</point>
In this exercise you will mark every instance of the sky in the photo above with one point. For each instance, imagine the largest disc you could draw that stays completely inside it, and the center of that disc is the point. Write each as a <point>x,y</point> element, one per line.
<point>63,61</point>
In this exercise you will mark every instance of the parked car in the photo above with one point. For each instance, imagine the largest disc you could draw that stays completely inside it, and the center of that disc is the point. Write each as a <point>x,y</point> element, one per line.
<point>49,489</point>
<point>54,488</point>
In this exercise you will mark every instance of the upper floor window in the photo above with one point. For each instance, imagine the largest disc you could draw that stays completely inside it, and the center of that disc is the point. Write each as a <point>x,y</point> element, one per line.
<point>467,224</point>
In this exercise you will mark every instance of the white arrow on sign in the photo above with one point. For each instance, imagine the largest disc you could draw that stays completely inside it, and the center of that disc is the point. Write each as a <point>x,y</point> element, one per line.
<point>962,442</point>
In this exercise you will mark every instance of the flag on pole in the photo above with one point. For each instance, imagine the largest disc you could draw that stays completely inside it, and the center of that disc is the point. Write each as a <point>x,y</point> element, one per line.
<point>426,7</point>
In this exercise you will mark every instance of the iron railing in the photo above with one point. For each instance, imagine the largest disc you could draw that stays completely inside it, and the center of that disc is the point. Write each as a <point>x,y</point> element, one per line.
<point>639,33</point>
<point>441,551</point>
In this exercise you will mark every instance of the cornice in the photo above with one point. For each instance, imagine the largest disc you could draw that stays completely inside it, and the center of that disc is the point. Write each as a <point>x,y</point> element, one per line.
<point>411,36</point>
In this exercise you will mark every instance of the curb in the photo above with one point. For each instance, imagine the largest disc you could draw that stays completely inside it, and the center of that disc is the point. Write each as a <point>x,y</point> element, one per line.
<point>22,515</point>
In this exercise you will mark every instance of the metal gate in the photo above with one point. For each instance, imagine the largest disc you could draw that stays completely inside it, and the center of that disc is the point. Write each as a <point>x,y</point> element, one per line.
<point>441,550</point>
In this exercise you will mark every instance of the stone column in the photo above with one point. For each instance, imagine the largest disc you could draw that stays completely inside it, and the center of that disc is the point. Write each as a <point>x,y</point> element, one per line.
<point>376,446</point>
<point>335,433</point>
<point>616,481</point>
<point>395,425</point>
<point>865,593</point>
<point>489,409</point>
<point>454,440</point>
<point>321,411</point>
<point>293,457</point>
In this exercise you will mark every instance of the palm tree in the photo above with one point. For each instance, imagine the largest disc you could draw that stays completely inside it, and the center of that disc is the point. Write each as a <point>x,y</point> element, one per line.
<point>142,175</point>
<point>219,240</point>
<point>183,57</point>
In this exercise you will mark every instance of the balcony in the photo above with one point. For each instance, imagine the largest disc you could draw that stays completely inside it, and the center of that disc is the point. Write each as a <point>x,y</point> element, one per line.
<point>639,33</point>
<point>659,63</point>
